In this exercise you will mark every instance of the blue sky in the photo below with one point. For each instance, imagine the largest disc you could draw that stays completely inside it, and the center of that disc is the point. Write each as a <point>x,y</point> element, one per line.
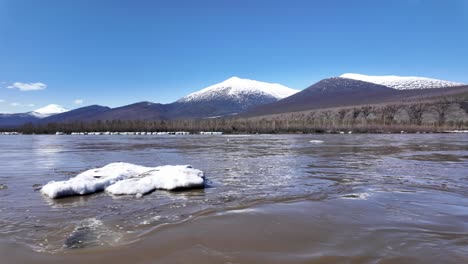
<point>119,52</point>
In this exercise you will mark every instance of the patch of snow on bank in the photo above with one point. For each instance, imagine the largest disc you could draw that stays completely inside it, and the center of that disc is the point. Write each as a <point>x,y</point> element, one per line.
<point>96,180</point>
<point>456,131</point>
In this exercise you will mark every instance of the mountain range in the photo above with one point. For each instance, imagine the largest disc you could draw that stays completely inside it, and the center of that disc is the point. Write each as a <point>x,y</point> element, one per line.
<point>244,97</point>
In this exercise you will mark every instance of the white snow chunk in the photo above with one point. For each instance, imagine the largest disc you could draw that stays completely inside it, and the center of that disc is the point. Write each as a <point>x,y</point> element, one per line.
<point>159,178</point>
<point>236,88</point>
<point>402,82</point>
<point>93,180</point>
<point>456,131</point>
<point>49,110</point>
<point>96,180</point>
<point>315,141</point>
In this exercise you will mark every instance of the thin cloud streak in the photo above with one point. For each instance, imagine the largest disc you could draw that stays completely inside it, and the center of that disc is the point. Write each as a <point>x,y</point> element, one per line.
<point>28,86</point>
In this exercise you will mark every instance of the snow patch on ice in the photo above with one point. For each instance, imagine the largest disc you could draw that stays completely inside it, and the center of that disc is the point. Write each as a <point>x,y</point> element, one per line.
<point>96,180</point>
<point>160,178</point>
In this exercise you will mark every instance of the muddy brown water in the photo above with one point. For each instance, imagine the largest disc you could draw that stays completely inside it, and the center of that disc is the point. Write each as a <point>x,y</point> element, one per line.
<point>269,199</point>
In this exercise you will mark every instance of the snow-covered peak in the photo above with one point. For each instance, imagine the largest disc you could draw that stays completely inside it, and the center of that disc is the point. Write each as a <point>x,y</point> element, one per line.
<point>49,110</point>
<point>402,82</point>
<point>237,87</point>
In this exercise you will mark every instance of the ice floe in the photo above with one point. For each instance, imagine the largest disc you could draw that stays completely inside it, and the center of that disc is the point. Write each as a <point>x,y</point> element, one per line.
<point>132,179</point>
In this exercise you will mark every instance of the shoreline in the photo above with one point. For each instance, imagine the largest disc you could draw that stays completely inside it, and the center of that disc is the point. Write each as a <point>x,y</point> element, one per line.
<point>182,133</point>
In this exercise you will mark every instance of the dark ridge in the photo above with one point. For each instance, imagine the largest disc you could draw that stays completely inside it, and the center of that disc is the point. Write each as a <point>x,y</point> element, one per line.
<point>326,93</point>
<point>83,113</point>
<point>137,111</point>
<point>16,120</point>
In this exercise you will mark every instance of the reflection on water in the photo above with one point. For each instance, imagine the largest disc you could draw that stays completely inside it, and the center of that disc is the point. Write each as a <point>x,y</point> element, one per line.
<point>415,182</point>
<point>46,151</point>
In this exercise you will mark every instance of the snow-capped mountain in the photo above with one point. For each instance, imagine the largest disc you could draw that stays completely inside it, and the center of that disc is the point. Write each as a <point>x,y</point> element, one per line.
<point>229,97</point>
<point>237,88</point>
<point>49,110</point>
<point>402,82</point>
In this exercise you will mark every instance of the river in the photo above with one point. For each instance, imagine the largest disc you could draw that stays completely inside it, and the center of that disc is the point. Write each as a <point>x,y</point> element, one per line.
<point>359,198</point>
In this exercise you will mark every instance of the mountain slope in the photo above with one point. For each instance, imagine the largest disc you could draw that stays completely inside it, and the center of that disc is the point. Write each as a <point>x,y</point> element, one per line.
<point>328,93</point>
<point>402,83</point>
<point>80,114</point>
<point>15,120</point>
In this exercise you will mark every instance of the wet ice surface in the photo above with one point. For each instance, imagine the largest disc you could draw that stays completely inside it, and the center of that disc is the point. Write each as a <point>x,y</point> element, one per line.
<point>417,179</point>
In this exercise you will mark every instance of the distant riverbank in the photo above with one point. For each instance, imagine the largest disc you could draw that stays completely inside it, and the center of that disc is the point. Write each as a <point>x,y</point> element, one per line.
<point>425,116</point>
<point>413,130</point>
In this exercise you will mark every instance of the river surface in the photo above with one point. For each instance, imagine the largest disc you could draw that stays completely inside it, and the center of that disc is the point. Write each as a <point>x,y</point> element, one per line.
<point>268,199</point>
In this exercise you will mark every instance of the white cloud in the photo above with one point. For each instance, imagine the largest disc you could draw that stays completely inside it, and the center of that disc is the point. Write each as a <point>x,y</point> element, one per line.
<point>2,101</point>
<point>16,104</point>
<point>28,86</point>
<point>78,101</point>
